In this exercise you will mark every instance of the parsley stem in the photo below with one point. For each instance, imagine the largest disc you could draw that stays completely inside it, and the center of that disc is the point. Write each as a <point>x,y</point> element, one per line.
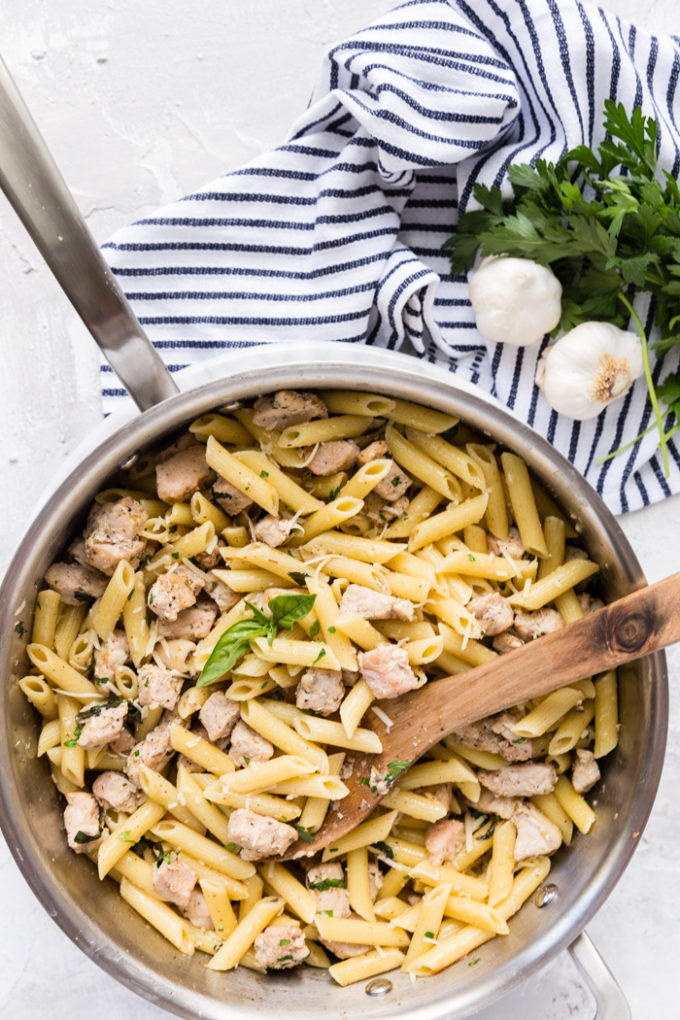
<point>650,382</point>
<point>626,446</point>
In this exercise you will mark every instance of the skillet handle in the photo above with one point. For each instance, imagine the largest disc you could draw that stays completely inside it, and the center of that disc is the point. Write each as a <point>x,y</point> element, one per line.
<point>611,1002</point>
<point>37,191</point>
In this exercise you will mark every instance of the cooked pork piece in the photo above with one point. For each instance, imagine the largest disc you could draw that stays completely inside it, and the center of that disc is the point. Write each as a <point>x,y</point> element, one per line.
<point>387,672</point>
<point>82,821</point>
<point>154,751</point>
<point>173,880</point>
<point>102,726</point>
<point>493,612</point>
<point>259,835</point>
<point>76,584</point>
<point>336,455</point>
<point>589,604</point>
<point>112,534</point>
<point>158,687</point>
<point>287,407</point>
<point>193,623</point>
<point>219,715</point>
<point>223,597</point>
<point>114,790</point>
<point>533,625</point>
<point>394,485</point>
<point>320,690</point>
<point>280,946</point>
<point>511,546</point>
<point>526,779</point>
<point>375,605</point>
<point>113,652</point>
<point>444,839</point>
<point>182,474</point>
<point>247,745</point>
<point>381,511</point>
<point>273,531</point>
<point>586,771</point>
<point>489,804</point>
<point>375,879</point>
<point>374,451</point>
<point>536,834</point>
<point>491,734</point>
<point>508,641</point>
<point>329,888</point>
<point>197,911</point>
<point>174,592</point>
<point>231,499</point>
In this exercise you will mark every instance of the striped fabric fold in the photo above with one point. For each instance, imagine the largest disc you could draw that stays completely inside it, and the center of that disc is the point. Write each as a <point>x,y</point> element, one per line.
<point>337,234</point>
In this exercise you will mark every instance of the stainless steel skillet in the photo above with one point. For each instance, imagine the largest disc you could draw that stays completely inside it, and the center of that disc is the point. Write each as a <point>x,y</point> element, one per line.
<point>92,914</point>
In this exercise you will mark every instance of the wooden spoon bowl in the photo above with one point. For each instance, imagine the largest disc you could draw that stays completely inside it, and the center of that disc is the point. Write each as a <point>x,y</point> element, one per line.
<point>642,622</point>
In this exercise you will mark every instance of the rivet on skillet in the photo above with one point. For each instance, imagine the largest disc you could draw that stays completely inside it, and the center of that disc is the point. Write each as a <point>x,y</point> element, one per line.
<point>126,464</point>
<point>378,986</point>
<point>546,895</point>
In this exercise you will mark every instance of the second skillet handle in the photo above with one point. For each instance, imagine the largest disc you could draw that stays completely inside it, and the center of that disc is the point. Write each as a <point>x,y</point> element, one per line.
<point>37,191</point>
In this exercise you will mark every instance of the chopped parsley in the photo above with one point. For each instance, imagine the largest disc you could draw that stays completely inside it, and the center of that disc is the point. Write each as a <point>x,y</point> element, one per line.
<point>395,769</point>
<point>429,934</point>
<point>297,576</point>
<point>333,494</point>
<point>74,739</point>
<point>472,558</point>
<point>328,883</point>
<point>314,629</point>
<point>331,630</point>
<point>284,942</point>
<point>473,962</point>
<point>132,591</point>
<point>396,480</point>
<point>231,847</point>
<point>319,656</point>
<point>125,837</point>
<point>175,555</point>
<point>264,474</point>
<point>304,834</point>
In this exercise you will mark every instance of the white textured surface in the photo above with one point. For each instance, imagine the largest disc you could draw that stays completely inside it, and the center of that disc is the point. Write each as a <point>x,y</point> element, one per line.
<point>140,103</point>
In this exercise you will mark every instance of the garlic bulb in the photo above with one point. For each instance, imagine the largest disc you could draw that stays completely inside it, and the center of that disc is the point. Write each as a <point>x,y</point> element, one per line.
<point>589,367</point>
<point>516,301</point>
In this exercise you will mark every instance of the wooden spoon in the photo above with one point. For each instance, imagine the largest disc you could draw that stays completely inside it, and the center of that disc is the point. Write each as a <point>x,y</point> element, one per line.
<point>639,623</point>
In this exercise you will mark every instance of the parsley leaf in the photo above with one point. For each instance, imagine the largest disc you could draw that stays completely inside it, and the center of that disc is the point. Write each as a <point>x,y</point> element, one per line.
<point>608,225</point>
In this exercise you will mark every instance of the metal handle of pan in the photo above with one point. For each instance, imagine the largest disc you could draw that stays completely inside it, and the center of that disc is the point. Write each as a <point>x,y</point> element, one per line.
<point>37,192</point>
<point>611,1002</point>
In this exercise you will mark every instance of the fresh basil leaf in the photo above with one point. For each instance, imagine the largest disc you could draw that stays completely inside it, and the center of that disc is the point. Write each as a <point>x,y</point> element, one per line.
<point>259,615</point>
<point>287,609</point>
<point>230,649</point>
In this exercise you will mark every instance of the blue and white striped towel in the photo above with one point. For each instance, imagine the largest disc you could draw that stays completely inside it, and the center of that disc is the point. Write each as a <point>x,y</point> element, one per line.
<point>337,234</point>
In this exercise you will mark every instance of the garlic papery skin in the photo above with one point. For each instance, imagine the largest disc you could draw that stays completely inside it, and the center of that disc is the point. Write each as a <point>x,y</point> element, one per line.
<point>515,301</point>
<point>589,367</point>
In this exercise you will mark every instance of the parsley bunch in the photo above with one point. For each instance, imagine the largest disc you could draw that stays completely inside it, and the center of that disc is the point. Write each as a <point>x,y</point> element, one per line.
<point>607,227</point>
<point>235,642</point>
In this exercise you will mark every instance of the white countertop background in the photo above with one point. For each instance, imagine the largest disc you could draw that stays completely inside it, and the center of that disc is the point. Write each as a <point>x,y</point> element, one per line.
<point>141,103</point>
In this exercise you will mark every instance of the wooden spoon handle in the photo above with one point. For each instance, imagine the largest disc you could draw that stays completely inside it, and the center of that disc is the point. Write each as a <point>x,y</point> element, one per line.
<point>639,623</point>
